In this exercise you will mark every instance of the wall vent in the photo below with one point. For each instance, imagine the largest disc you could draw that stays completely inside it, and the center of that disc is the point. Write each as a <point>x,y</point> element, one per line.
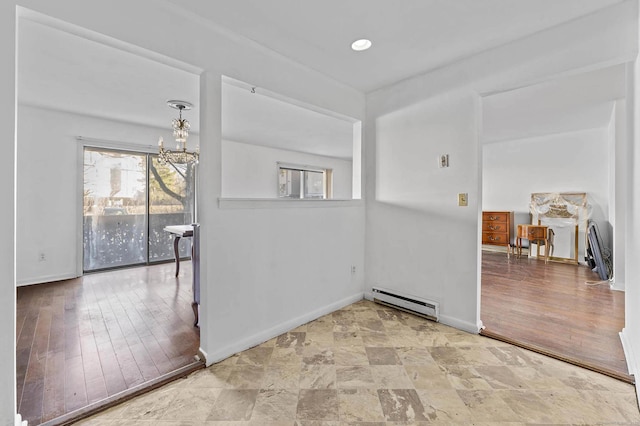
<point>414,305</point>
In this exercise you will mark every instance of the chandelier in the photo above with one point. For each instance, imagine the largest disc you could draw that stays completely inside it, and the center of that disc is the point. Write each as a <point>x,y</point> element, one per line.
<point>180,133</point>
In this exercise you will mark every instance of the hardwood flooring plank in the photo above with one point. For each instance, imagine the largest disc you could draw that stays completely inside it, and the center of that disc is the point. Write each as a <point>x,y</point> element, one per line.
<point>129,367</point>
<point>160,360</point>
<point>84,340</point>
<point>22,362</point>
<point>72,346</point>
<point>54,396</point>
<point>75,393</point>
<point>56,332</point>
<point>126,327</point>
<point>113,377</point>
<point>92,367</point>
<point>96,389</point>
<point>32,400</point>
<point>40,346</point>
<point>23,305</point>
<point>144,362</point>
<point>113,333</point>
<point>27,333</point>
<point>551,306</point>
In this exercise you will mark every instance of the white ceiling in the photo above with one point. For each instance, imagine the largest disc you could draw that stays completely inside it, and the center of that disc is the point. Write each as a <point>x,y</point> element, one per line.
<point>282,124</point>
<point>564,105</point>
<point>409,37</point>
<point>63,71</point>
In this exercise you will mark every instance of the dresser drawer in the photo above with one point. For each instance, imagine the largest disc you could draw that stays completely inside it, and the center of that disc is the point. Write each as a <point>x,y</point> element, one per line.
<point>495,227</point>
<point>495,238</point>
<point>495,217</point>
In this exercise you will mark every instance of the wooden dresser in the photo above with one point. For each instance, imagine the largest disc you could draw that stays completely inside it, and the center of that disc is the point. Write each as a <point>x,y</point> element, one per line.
<point>497,228</point>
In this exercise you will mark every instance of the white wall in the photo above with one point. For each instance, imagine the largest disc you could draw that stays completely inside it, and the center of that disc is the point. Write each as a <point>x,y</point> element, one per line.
<point>567,162</point>
<point>417,233</point>
<point>7,213</point>
<point>418,241</point>
<point>620,180</point>
<point>49,170</point>
<point>631,333</point>
<point>282,266</point>
<point>250,171</point>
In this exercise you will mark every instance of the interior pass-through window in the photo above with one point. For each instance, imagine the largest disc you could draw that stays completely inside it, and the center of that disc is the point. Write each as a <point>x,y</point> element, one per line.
<point>303,182</point>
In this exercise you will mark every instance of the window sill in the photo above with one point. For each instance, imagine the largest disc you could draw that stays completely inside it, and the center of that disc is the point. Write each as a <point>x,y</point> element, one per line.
<point>278,203</point>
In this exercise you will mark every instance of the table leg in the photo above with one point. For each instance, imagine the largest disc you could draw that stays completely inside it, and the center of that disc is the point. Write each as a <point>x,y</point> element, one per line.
<point>546,250</point>
<point>195,264</point>
<point>194,306</point>
<point>176,252</point>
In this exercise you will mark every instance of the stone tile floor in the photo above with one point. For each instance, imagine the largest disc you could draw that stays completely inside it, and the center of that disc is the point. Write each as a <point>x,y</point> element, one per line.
<point>371,365</point>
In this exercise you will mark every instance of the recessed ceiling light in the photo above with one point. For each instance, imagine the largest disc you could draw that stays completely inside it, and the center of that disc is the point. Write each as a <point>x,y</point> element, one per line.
<point>362,44</point>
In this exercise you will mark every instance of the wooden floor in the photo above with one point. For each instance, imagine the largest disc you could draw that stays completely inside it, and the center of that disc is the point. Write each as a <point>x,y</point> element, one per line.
<point>549,307</point>
<point>83,340</point>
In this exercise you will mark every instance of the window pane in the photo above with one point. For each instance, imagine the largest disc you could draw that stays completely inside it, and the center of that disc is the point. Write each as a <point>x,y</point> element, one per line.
<point>313,184</point>
<point>289,183</point>
<point>114,219</point>
<point>171,202</point>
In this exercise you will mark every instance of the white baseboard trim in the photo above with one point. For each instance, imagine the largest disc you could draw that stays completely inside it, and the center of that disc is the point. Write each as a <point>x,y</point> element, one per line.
<point>469,327</point>
<point>628,352</point>
<point>277,330</point>
<point>615,285</point>
<point>629,355</point>
<point>202,355</point>
<point>44,279</point>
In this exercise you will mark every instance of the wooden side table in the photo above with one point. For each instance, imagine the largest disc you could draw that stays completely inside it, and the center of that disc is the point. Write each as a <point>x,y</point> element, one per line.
<point>534,233</point>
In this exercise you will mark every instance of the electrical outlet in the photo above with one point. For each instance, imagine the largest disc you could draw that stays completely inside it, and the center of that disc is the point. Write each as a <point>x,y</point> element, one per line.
<point>443,160</point>
<point>353,269</point>
<point>463,199</point>
<point>42,257</point>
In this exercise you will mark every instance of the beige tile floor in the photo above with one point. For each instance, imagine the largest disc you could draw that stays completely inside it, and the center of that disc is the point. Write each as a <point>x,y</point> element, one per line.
<point>371,365</point>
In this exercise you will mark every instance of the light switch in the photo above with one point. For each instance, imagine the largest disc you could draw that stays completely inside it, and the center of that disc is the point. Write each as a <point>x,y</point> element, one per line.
<point>463,199</point>
<point>443,160</point>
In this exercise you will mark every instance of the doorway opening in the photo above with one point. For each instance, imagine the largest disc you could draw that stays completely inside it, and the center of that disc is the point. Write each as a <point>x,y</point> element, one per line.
<point>84,340</point>
<point>559,136</point>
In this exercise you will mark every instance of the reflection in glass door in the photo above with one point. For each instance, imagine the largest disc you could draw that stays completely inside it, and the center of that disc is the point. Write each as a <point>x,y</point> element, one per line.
<point>128,200</point>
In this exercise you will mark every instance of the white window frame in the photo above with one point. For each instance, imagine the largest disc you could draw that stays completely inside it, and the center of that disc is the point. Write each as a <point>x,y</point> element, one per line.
<point>327,179</point>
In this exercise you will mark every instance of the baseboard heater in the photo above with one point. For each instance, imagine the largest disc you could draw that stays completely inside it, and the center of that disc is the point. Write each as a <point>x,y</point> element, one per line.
<point>411,304</point>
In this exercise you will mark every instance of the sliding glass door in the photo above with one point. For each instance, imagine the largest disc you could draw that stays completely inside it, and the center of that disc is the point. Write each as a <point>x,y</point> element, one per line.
<point>128,199</point>
<point>171,202</point>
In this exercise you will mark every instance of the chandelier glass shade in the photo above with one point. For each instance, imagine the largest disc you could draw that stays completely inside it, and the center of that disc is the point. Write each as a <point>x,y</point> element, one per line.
<point>180,132</point>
